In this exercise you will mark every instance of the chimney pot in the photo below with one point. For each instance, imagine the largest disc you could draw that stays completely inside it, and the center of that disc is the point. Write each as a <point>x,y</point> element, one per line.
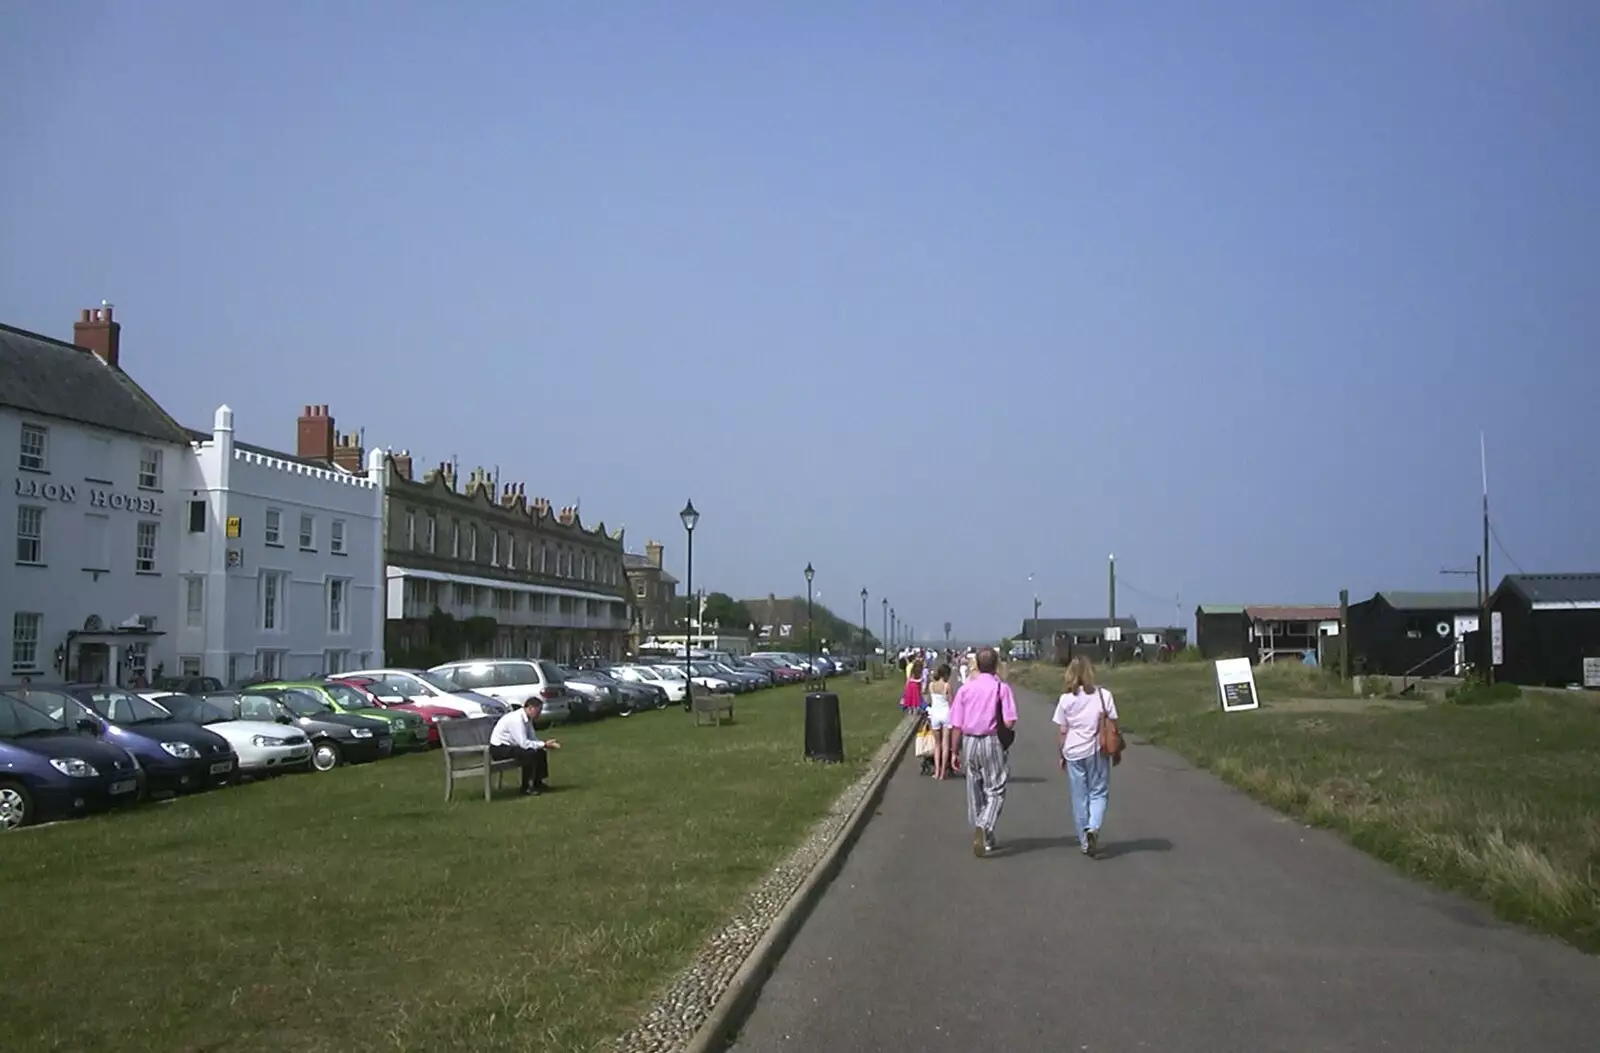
<point>95,331</point>
<point>315,438</point>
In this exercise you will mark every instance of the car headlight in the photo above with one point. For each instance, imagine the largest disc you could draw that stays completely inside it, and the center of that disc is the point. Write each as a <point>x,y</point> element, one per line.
<point>76,767</point>
<point>266,740</point>
<point>361,733</point>
<point>181,750</point>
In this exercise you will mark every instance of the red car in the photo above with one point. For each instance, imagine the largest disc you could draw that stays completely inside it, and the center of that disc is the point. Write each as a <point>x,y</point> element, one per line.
<point>430,713</point>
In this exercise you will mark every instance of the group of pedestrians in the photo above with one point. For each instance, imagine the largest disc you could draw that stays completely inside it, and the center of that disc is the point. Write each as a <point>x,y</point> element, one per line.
<point>974,728</point>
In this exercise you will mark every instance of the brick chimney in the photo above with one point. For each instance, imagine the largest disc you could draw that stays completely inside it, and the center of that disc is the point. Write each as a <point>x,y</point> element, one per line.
<point>314,434</point>
<point>95,330</point>
<point>652,552</point>
<point>348,453</point>
<point>402,463</point>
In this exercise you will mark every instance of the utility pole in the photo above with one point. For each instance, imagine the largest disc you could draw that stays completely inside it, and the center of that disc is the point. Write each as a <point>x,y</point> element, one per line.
<point>1344,635</point>
<point>1484,629</point>
<point>1111,645</point>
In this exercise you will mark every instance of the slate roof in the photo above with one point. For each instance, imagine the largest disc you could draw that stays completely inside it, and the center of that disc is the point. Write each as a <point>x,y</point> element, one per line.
<point>48,378</point>
<point>1291,613</point>
<point>196,435</point>
<point>1556,588</point>
<point>636,561</point>
<point>1431,601</point>
<point>1046,628</point>
<point>1219,608</point>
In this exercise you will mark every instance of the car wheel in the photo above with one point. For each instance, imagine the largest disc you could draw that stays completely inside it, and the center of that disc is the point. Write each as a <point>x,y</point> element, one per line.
<point>16,806</point>
<point>325,755</point>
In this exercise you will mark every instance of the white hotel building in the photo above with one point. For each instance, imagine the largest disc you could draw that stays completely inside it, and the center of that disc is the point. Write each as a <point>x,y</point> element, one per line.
<point>143,549</point>
<point>281,563</point>
<point>87,589</point>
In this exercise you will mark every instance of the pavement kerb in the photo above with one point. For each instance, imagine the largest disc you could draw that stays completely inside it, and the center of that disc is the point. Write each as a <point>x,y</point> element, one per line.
<point>721,1025</point>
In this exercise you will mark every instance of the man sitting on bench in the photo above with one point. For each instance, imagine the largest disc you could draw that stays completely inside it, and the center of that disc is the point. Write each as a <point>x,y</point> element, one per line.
<point>514,738</point>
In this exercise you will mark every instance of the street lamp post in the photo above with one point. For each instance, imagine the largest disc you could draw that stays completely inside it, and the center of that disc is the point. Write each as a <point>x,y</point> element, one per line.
<point>862,650</point>
<point>886,631</point>
<point>690,518</point>
<point>894,628</point>
<point>811,641</point>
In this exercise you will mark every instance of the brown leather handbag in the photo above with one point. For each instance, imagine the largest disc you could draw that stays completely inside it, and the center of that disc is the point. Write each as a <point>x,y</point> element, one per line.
<point>1111,742</point>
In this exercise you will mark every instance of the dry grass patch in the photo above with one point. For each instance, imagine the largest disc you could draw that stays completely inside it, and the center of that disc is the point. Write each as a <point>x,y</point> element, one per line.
<point>1501,802</point>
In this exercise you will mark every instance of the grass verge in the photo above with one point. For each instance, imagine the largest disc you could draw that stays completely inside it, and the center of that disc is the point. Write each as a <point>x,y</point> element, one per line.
<point>356,910</point>
<point>1498,801</point>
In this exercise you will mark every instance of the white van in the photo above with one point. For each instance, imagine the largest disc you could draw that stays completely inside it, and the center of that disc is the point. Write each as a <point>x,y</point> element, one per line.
<point>514,681</point>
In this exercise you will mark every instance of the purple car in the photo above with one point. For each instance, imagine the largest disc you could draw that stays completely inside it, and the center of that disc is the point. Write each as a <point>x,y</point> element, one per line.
<point>51,771</point>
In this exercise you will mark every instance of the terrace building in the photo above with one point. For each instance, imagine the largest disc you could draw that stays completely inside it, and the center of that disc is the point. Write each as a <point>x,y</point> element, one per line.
<point>481,570</point>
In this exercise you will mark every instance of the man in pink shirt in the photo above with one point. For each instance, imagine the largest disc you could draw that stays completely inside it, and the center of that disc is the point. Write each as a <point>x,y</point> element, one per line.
<point>981,709</point>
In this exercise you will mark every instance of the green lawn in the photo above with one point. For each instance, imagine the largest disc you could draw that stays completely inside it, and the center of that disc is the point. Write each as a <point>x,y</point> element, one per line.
<point>355,910</point>
<point>1501,802</point>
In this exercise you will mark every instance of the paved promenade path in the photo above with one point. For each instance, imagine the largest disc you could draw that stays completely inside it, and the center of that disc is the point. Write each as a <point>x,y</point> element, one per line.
<point>1210,924</point>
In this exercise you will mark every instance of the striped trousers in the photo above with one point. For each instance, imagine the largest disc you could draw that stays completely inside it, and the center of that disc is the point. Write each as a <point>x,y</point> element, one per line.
<point>986,766</point>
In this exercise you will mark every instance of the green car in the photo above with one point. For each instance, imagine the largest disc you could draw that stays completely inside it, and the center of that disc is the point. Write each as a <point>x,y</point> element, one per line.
<point>410,730</point>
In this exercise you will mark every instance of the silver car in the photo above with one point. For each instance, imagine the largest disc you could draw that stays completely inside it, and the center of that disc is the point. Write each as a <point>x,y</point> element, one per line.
<point>514,680</point>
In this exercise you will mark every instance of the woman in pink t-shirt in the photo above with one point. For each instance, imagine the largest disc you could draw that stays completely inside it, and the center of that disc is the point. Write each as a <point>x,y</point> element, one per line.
<point>1088,770</point>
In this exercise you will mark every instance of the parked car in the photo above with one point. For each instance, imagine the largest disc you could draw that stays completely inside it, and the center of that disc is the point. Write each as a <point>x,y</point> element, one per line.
<point>263,747</point>
<point>630,697</point>
<point>648,676</point>
<point>187,685</point>
<point>336,738</point>
<point>51,770</point>
<point>176,757</point>
<point>429,687</point>
<point>511,681</point>
<point>743,679</point>
<point>408,730</point>
<point>591,695</point>
<point>385,695</point>
<point>709,677</point>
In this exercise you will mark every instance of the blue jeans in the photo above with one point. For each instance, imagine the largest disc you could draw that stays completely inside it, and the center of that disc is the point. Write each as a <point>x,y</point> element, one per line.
<point>1090,781</point>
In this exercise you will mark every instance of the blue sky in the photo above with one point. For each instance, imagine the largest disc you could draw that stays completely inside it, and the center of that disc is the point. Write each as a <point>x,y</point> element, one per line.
<point>1228,289</point>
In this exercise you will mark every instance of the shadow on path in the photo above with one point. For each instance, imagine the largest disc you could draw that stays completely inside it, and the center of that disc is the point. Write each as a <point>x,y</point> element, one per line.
<point>1113,849</point>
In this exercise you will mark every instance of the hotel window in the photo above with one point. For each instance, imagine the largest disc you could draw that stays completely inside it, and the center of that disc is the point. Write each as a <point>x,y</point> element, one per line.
<point>308,532</point>
<point>544,559</point>
<point>455,539</point>
<point>25,641</point>
<point>511,552</point>
<point>336,538</point>
<point>33,455</point>
<point>197,517</point>
<point>144,550</point>
<point>494,548</point>
<point>272,526</point>
<point>273,584</point>
<point>472,550</point>
<point>432,534</point>
<point>194,602</point>
<point>30,534</point>
<point>190,665</point>
<point>411,530</point>
<point>269,664</point>
<point>337,661</point>
<point>149,468</point>
<point>338,605</point>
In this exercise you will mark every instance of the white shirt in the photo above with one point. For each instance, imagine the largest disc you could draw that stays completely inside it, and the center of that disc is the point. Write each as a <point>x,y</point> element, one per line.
<point>513,729</point>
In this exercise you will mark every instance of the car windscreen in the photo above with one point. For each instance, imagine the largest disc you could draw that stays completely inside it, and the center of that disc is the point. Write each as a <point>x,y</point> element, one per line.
<point>434,680</point>
<point>193,710</point>
<point>702,669</point>
<point>552,672</point>
<point>18,719</point>
<point>124,707</point>
<point>303,702</point>
<point>347,696</point>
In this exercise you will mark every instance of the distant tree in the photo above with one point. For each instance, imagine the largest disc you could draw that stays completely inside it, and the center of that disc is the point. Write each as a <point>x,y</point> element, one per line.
<point>732,615</point>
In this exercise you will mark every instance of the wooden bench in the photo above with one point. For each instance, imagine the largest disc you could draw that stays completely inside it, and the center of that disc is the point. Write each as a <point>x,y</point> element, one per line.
<point>715,706</point>
<point>465,746</point>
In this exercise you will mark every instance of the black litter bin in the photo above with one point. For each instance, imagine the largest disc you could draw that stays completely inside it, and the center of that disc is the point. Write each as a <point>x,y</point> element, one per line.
<point>824,733</point>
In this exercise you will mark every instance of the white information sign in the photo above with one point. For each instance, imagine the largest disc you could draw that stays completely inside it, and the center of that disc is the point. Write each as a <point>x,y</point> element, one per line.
<point>1113,634</point>
<point>1497,638</point>
<point>1591,672</point>
<point>1236,683</point>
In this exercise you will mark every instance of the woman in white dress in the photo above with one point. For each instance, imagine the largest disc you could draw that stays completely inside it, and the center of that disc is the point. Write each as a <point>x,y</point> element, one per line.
<point>939,719</point>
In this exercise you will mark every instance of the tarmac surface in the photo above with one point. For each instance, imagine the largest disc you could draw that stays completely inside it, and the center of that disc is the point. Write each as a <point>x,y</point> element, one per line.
<point>1210,923</point>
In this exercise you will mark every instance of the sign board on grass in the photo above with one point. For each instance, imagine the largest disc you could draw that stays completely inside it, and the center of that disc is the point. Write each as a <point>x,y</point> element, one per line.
<point>1236,682</point>
<point>1591,672</point>
<point>1497,637</point>
<point>1113,634</point>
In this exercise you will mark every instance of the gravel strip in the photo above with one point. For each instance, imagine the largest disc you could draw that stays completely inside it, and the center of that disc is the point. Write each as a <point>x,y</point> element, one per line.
<point>683,1005</point>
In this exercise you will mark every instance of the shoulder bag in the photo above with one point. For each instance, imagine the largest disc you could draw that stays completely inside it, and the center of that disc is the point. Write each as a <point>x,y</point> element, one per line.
<point>1109,733</point>
<point>1006,735</point>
